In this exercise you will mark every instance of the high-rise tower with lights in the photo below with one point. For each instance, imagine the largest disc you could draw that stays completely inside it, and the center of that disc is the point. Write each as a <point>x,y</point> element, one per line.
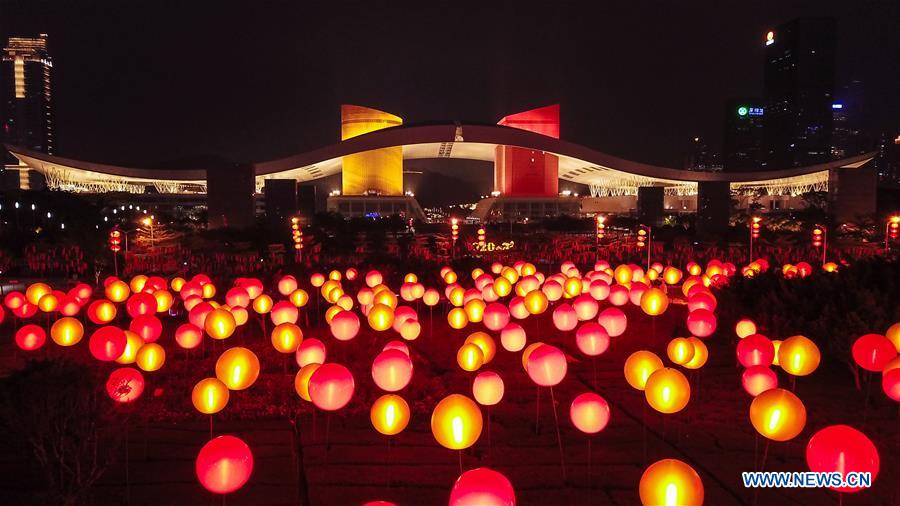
<point>26,77</point>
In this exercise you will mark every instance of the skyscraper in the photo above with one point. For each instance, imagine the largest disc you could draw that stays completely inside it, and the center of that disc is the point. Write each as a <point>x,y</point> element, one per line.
<point>798,92</point>
<point>743,135</point>
<point>27,114</point>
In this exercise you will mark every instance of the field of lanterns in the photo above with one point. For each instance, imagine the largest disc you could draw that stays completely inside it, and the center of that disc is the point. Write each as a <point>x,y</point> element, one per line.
<point>501,385</point>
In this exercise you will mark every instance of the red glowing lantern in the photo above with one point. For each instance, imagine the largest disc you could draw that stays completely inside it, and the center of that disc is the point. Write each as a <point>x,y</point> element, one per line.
<point>101,311</point>
<point>224,464</point>
<point>585,307</point>
<point>125,384</point>
<point>310,351</point>
<point>284,311</point>
<point>754,350</point>
<point>547,365</point>
<point>842,449</point>
<point>148,327</point>
<point>488,388</point>
<point>873,351</point>
<point>140,304</point>
<point>331,387</point>
<point>757,379</point>
<point>237,297</point>
<point>614,321</point>
<point>188,336</point>
<point>589,413</point>
<point>564,317</point>
<point>345,325</point>
<point>30,337</point>
<point>512,337</point>
<point>107,343</point>
<point>592,339</point>
<point>482,487</point>
<point>496,316</point>
<point>701,322</point>
<point>392,370</point>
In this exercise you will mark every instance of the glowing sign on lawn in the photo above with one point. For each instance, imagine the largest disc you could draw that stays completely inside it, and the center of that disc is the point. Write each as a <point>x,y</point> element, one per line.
<point>490,246</point>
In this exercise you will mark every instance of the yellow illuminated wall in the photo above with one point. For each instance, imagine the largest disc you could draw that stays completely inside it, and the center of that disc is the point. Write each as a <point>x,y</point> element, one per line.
<point>378,170</point>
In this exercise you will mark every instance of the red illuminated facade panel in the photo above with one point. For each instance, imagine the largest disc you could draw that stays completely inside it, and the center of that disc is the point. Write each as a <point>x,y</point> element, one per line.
<point>523,172</point>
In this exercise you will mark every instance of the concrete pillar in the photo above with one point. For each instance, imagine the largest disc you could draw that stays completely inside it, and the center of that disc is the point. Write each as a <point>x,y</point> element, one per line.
<point>650,205</point>
<point>713,208</point>
<point>852,192</point>
<point>229,192</point>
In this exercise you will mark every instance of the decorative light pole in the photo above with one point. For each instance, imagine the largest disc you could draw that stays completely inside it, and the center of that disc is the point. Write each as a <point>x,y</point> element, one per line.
<point>820,240</point>
<point>454,235</point>
<point>755,227</point>
<point>297,237</point>
<point>644,240</point>
<point>481,239</point>
<point>148,222</point>
<point>601,229</point>
<point>115,244</point>
<point>891,231</point>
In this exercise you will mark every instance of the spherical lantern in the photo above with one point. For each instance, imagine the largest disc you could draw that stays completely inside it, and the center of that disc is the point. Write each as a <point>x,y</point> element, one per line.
<point>547,365</point>
<point>457,318</point>
<point>101,311</point>
<point>147,326</point>
<point>701,354</point>
<point>431,297</point>
<point>286,337</point>
<point>482,487</point>
<point>702,300</point>
<point>299,297</point>
<point>778,414</point>
<point>331,387</point>
<point>198,313</point>
<point>140,304</point>
<point>219,324</point>
<point>757,379</point>
<point>286,285</point>
<point>310,351</point>
<point>188,336</point>
<point>381,317</point>
<point>589,413</point>
<point>873,351</point>
<point>639,366</point>
<point>284,312</point>
<point>237,297</point>
<point>893,335</point>
<point>487,388</point>
<point>485,342</point>
<point>389,414</point>
<point>31,337</point>
<point>35,291</point>
<point>614,321</point>
<point>125,384</point>
<point>150,357</point>
<point>667,390</point>
<point>164,300</point>
<point>373,278</point>
<point>456,422</point>
<point>262,304</point>
<point>701,322</point>
<point>138,282</point>
<point>599,289</point>
<point>890,383</point>
<point>470,357</point>
<point>592,339</point>
<point>517,308</point>
<point>224,464</point>
<point>392,370</point>
<point>670,482</point>
<point>210,396</point>
<point>133,343</point>
<point>66,331</point>
<point>301,380</point>
<point>754,350</point>
<point>474,309</point>
<point>564,317</point>
<point>842,449</point>
<point>48,303</point>
<point>512,337</point>
<point>745,328</point>
<point>680,350</point>
<point>496,316</point>
<point>536,302</point>
<point>117,291</point>
<point>799,356</point>
<point>238,368</point>
<point>108,343</point>
<point>585,307</point>
<point>618,295</point>
<point>654,302</point>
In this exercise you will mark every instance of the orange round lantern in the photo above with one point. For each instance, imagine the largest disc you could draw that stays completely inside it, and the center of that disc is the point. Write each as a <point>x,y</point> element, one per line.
<point>680,350</point>
<point>133,343</point>
<point>35,291</point>
<point>456,422</point>
<point>210,396</point>
<point>286,337</point>
<point>512,337</point>
<point>299,297</point>
<point>310,351</point>
<point>301,380</point>
<point>219,324</point>
<point>101,311</point>
<point>798,355</point>
<point>188,336</point>
<point>667,390</point>
<point>670,482</point>
<point>262,304</point>
<point>389,414</point>
<point>457,318</point>
<point>547,365</point>
<point>778,414</point>
<point>67,331</point>
<point>536,302</point>
<point>701,354</point>
<point>744,328</point>
<point>589,413</point>
<point>487,388</point>
<point>150,357</point>
<point>639,366</point>
<point>237,368</point>
<point>284,312</point>
<point>485,342</point>
<point>381,317</point>
<point>470,357</point>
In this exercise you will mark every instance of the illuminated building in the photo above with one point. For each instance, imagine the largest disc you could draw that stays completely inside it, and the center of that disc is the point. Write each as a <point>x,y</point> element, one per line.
<point>743,135</point>
<point>27,113</point>
<point>521,172</point>
<point>373,172</point>
<point>799,92</point>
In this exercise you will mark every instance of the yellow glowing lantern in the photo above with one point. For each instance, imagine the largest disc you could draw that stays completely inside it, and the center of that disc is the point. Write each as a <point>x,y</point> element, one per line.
<point>572,287</point>
<point>510,274</point>
<point>35,291</point>
<point>701,354</point>
<point>670,482</point>
<point>536,302</point>
<point>778,414</point>
<point>317,279</point>
<point>474,310</point>
<point>67,331</point>
<point>671,275</point>
<point>431,297</point>
<point>450,277</point>
<point>470,357</point>
<point>526,353</point>
<point>219,324</point>
<point>457,318</point>
<point>488,388</point>
<point>48,303</point>
<point>623,274</point>
<point>798,355</point>
<point>299,297</point>
<point>502,286</point>
<point>654,301</point>
<point>389,414</point>
<point>262,304</point>
<point>680,350</point>
<point>485,342</point>
<point>210,396</point>
<point>164,300</point>
<point>177,283</point>
<point>667,390</point>
<point>133,343</point>
<point>138,282</point>
<point>385,297</point>
<point>457,296</point>
<point>639,366</point>
<point>381,317</point>
<point>456,422</point>
<point>117,291</point>
<point>238,368</point>
<point>150,357</point>
<point>744,328</point>
<point>301,380</point>
<point>286,337</point>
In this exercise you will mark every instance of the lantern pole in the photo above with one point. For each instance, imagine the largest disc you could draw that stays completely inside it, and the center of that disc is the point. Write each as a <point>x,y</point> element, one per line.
<point>892,225</point>
<point>824,243</point>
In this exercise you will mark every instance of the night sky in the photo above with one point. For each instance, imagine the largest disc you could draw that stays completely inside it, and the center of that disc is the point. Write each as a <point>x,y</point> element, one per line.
<point>139,83</point>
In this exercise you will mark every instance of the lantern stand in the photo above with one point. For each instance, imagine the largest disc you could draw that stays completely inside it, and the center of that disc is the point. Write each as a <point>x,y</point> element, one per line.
<point>762,467</point>
<point>537,411</point>
<point>460,461</point>
<point>562,461</point>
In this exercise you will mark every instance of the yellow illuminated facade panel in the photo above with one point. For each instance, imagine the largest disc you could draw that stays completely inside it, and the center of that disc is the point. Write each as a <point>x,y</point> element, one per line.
<point>378,171</point>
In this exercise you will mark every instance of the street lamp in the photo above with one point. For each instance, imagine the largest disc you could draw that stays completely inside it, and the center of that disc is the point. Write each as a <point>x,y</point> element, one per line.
<point>644,240</point>
<point>148,222</point>
<point>755,227</point>
<point>891,231</point>
<point>820,239</point>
